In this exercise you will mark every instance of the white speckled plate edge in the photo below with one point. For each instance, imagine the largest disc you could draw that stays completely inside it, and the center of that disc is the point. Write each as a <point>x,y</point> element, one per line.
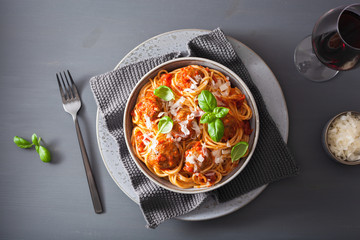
<point>262,77</point>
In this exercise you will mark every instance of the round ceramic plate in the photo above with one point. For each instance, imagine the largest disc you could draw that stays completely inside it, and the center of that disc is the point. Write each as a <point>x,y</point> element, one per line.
<point>177,41</point>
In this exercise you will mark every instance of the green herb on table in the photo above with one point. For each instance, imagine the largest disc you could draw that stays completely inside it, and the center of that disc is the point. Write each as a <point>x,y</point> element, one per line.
<point>43,152</point>
<point>213,113</point>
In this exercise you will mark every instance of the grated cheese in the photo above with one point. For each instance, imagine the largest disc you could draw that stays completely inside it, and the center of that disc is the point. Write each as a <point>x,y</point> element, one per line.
<point>228,151</point>
<point>174,107</point>
<point>217,156</point>
<point>196,128</point>
<point>188,90</point>
<point>160,114</point>
<point>344,137</point>
<point>198,78</point>
<point>147,122</point>
<point>184,128</point>
<point>192,80</point>
<point>191,159</point>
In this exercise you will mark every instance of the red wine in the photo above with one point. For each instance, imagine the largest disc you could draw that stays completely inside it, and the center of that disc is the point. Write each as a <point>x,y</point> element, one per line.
<point>340,49</point>
<point>349,28</point>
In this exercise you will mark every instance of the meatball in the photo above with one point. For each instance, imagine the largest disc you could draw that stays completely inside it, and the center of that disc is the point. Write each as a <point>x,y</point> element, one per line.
<point>230,126</point>
<point>165,79</point>
<point>165,155</point>
<point>184,81</point>
<point>149,106</point>
<point>197,158</point>
<point>177,131</point>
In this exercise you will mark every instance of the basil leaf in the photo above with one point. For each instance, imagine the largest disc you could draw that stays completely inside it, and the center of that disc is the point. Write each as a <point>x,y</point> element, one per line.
<point>37,148</point>
<point>22,143</point>
<point>216,130</point>
<point>34,139</point>
<point>165,124</point>
<point>207,118</point>
<point>207,101</point>
<point>238,151</point>
<point>220,112</point>
<point>164,92</point>
<point>44,154</point>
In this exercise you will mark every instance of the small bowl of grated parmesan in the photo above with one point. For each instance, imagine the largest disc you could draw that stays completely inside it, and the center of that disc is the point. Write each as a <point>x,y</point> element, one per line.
<point>341,138</point>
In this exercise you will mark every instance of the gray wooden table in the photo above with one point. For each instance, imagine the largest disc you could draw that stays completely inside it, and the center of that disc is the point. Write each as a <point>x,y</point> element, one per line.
<point>52,201</point>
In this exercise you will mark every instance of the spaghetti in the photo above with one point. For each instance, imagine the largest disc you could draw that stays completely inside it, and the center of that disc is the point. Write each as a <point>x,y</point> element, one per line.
<point>187,156</point>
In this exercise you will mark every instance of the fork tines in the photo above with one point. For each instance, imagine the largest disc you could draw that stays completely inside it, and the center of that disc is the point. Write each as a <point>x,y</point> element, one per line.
<point>68,90</point>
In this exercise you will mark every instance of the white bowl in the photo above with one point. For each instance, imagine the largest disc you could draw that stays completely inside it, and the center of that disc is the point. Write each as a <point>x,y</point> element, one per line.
<point>170,66</point>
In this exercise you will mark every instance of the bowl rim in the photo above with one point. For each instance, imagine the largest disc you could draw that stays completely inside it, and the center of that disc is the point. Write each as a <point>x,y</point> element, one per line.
<point>325,138</point>
<point>140,164</point>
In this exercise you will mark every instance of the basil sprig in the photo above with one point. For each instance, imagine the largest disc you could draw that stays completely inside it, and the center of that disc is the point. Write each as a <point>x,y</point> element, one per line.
<point>239,150</point>
<point>216,129</point>
<point>220,112</point>
<point>22,143</point>
<point>213,113</point>
<point>207,118</point>
<point>207,101</point>
<point>165,124</point>
<point>164,92</point>
<point>44,154</point>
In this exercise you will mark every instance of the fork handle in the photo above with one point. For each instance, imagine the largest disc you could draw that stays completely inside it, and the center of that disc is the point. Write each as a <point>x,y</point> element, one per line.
<point>91,181</point>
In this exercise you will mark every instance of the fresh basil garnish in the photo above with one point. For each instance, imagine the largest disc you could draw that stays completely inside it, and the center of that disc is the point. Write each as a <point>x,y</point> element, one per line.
<point>22,143</point>
<point>220,112</point>
<point>207,101</point>
<point>207,118</point>
<point>216,130</point>
<point>165,124</point>
<point>35,140</point>
<point>213,113</point>
<point>238,151</point>
<point>44,154</point>
<point>164,92</point>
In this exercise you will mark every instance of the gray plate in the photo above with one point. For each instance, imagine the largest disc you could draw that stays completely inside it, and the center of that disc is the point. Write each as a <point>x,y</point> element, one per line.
<point>262,77</point>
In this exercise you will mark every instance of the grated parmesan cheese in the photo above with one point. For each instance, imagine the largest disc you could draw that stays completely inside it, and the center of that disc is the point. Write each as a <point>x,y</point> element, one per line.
<point>147,122</point>
<point>196,128</point>
<point>198,78</point>
<point>184,128</point>
<point>192,80</point>
<point>224,86</point>
<point>344,137</point>
<point>174,107</point>
<point>160,114</point>
<point>217,156</point>
<point>228,151</point>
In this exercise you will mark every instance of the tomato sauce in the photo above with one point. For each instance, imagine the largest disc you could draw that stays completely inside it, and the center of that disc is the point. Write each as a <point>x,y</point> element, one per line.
<point>140,141</point>
<point>165,80</point>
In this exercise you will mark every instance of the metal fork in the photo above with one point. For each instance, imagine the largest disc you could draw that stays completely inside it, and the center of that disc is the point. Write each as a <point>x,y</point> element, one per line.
<point>72,103</point>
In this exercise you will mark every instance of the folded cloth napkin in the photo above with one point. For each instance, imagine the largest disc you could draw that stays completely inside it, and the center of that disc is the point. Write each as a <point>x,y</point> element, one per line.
<point>271,160</point>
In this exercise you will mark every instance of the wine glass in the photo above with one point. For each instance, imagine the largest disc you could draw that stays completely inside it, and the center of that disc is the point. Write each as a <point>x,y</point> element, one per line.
<point>333,46</point>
